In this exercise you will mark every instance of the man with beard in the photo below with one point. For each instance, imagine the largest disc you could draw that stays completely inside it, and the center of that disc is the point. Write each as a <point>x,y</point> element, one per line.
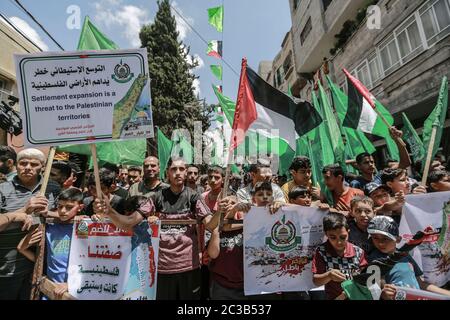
<point>150,182</point>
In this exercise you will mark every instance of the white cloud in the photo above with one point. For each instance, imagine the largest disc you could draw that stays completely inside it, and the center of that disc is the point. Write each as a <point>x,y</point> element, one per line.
<point>128,17</point>
<point>196,85</point>
<point>201,63</point>
<point>182,27</point>
<point>29,32</point>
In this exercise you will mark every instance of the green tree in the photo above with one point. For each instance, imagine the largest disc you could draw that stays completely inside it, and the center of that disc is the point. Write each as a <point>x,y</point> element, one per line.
<point>170,67</point>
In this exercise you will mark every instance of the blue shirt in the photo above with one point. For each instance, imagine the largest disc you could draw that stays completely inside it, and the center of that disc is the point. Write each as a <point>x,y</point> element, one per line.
<point>58,238</point>
<point>403,274</point>
<point>360,182</point>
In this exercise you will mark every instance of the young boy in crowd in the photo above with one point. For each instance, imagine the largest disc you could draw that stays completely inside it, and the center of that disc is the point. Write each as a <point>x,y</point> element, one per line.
<point>384,204</point>
<point>58,238</point>
<point>107,183</point>
<point>300,170</point>
<point>398,181</point>
<point>225,250</point>
<point>301,196</point>
<point>384,234</point>
<point>342,194</point>
<point>361,209</point>
<point>262,196</point>
<point>211,199</point>
<point>337,259</point>
<point>438,181</point>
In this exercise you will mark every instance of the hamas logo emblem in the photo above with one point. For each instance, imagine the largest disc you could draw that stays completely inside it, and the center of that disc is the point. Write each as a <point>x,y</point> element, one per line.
<point>122,73</point>
<point>283,236</point>
<point>82,230</point>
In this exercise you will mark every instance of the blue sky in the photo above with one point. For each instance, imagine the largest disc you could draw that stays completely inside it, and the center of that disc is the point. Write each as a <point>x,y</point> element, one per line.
<point>252,28</point>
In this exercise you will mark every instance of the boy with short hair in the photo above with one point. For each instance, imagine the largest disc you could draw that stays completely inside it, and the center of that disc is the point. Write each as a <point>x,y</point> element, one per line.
<point>438,181</point>
<point>384,234</point>
<point>398,181</point>
<point>107,182</point>
<point>361,209</point>
<point>262,196</point>
<point>301,196</point>
<point>384,204</point>
<point>226,252</point>
<point>336,260</point>
<point>58,238</point>
<point>342,195</point>
<point>300,170</point>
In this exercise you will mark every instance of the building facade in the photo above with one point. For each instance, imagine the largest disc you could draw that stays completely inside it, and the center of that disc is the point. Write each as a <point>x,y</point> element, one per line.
<point>12,41</point>
<point>402,63</point>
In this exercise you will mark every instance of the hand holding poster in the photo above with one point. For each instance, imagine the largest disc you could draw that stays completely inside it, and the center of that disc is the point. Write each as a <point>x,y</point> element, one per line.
<point>82,96</point>
<point>278,249</point>
<point>107,263</point>
<point>429,212</point>
<point>403,293</point>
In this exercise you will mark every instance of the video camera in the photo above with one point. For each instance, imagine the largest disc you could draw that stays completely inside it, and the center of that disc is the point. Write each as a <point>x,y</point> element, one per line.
<point>9,119</point>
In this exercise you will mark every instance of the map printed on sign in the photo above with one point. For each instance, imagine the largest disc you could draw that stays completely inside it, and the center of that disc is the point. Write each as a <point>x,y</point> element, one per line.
<point>81,96</point>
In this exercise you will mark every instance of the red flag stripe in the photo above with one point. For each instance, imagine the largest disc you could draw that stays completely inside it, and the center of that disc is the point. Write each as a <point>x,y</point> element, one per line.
<point>214,54</point>
<point>361,88</point>
<point>245,113</point>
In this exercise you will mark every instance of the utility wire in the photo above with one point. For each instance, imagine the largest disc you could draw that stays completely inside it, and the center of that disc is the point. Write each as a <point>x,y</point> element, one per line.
<point>203,39</point>
<point>40,25</point>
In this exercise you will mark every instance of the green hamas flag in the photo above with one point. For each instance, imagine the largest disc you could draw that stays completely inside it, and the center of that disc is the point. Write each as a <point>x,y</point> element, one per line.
<point>164,151</point>
<point>332,128</point>
<point>167,148</point>
<point>412,138</point>
<point>215,18</point>
<point>92,39</point>
<point>217,71</point>
<point>130,152</point>
<point>320,151</point>
<point>436,120</point>
<point>355,291</point>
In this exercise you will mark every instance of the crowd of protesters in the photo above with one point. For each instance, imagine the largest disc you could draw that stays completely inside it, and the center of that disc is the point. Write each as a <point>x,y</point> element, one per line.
<point>205,260</point>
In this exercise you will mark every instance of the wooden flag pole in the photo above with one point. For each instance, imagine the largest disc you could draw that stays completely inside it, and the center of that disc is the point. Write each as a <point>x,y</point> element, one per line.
<point>224,192</point>
<point>40,250</point>
<point>429,154</point>
<point>96,171</point>
<point>48,169</point>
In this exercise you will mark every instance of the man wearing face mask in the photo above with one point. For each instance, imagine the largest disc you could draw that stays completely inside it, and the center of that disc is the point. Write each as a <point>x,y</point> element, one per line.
<point>260,172</point>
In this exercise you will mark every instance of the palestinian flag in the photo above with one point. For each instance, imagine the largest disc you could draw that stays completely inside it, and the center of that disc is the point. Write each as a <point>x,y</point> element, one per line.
<point>363,113</point>
<point>269,112</point>
<point>215,49</point>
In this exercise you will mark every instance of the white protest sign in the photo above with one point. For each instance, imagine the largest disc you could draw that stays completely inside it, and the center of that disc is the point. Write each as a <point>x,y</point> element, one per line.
<point>84,96</point>
<point>99,262</point>
<point>429,212</point>
<point>278,249</point>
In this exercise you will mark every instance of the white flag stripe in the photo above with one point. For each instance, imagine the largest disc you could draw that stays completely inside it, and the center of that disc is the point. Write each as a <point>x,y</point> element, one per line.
<point>270,120</point>
<point>368,117</point>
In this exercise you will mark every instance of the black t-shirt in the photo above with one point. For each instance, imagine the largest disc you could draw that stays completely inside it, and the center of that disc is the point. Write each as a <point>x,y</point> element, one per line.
<point>178,246</point>
<point>121,192</point>
<point>116,203</point>
<point>166,201</point>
